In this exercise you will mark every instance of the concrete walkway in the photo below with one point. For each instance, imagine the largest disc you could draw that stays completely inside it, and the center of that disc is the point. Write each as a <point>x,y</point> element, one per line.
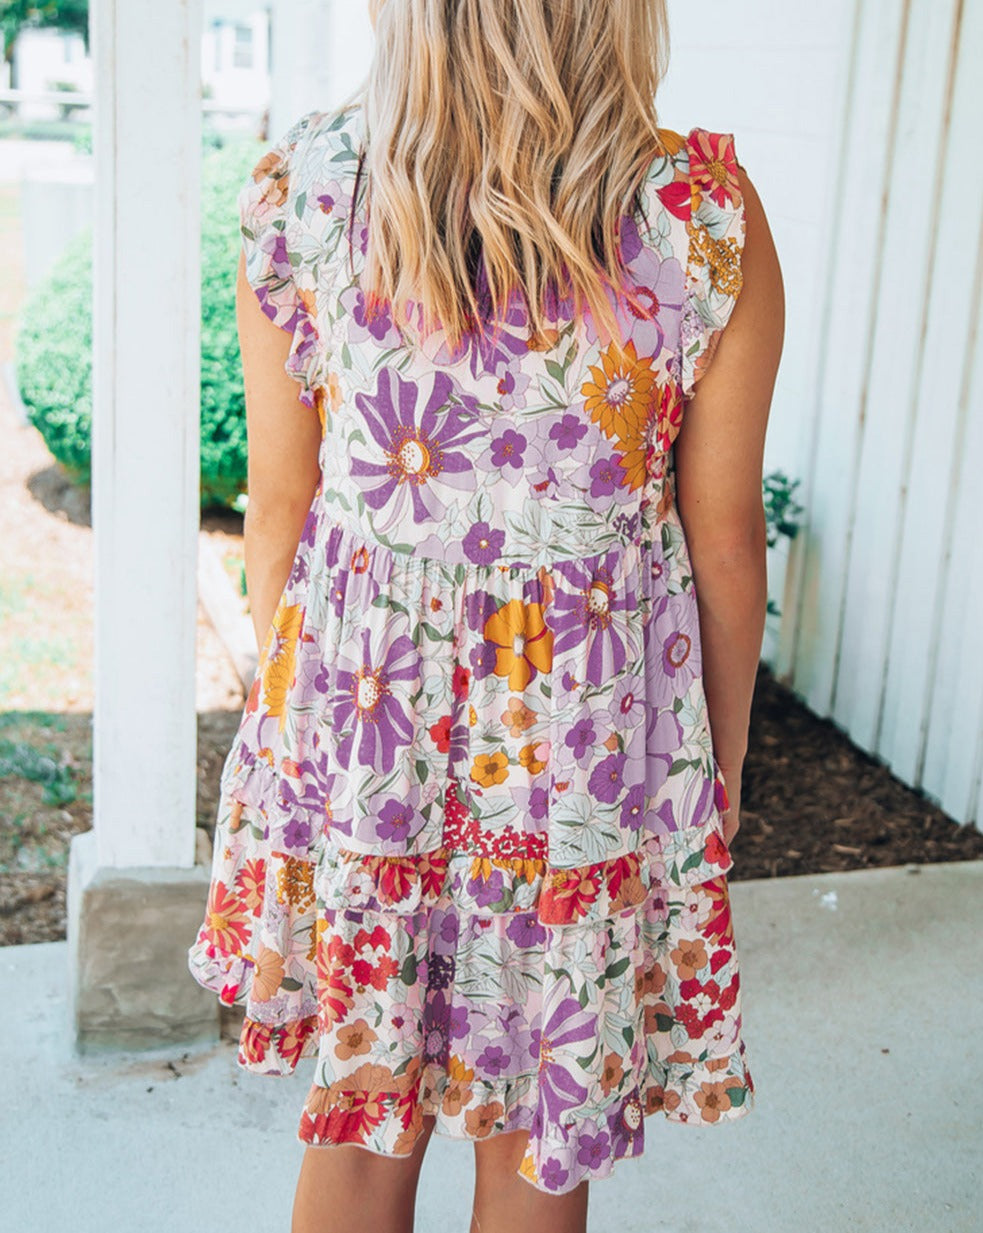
<point>863,995</point>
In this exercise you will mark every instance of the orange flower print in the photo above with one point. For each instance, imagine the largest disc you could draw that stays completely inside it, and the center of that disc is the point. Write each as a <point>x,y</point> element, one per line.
<point>712,170</point>
<point>354,1039</point>
<point>620,396</point>
<point>533,757</point>
<point>276,668</point>
<point>490,768</point>
<point>690,957</point>
<point>295,883</point>
<point>633,461</point>
<point>225,920</point>
<point>672,142</point>
<point>523,641</point>
<point>334,391</point>
<point>517,717</point>
<point>458,1092</point>
<point>712,1099</point>
<point>271,167</point>
<point>612,1073</point>
<point>480,1122</point>
<point>267,974</point>
<point>658,1100</point>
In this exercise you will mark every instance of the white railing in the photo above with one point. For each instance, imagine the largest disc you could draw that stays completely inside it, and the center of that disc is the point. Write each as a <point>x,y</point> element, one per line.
<point>83,98</point>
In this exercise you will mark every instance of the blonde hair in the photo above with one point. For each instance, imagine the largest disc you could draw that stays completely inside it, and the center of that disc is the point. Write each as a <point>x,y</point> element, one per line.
<point>511,136</point>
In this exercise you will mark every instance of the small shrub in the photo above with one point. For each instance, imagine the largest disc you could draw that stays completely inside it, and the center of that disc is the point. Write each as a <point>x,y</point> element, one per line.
<point>53,351</point>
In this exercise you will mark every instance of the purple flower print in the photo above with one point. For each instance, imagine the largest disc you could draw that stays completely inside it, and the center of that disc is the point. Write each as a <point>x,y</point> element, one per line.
<point>440,972</point>
<point>524,929</point>
<point>656,283</point>
<point>417,448</point>
<point>487,891</point>
<point>297,833</point>
<point>482,544</point>
<point>627,703</point>
<point>672,640</point>
<point>589,604</point>
<point>395,823</point>
<point>580,739</point>
<point>333,201</point>
<point>512,387</point>
<point>663,739</point>
<point>308,536</point>
<point>567,433</point>
<point>633,807</point>
<point>507,449</point>
<point>593,1149</point>
<point>436,1037</point>
<point>545,482</point>
<point>605,476</point>
<point>607,780</point>
<point>552,1174</point>
<point>493,1060</point>
<point>491,346</point>
<point>448,927</point>
<point>458,1024</point>
<point>377,325</point>
<point>364,702</point>
<point>559,1090</point>
<point>279,256</point>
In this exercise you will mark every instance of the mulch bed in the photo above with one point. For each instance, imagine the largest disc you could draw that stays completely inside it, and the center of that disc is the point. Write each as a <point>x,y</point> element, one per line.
<point>812,802</point>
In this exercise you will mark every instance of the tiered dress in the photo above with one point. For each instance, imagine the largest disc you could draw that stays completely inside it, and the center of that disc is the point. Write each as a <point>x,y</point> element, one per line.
<point>469,852</point>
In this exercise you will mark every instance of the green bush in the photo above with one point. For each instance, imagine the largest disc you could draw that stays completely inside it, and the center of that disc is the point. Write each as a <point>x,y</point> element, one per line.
<point>53,351</point>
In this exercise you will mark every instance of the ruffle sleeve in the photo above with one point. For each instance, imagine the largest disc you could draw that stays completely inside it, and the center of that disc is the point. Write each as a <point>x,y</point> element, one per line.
<point>716,228</point>
<point>270,224</point>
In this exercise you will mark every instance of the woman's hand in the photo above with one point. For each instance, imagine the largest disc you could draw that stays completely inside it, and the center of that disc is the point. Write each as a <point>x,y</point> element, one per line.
<point>732,818</point>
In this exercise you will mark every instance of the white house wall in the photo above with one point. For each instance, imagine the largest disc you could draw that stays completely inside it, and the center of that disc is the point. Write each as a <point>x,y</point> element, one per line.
<point>859,124</point>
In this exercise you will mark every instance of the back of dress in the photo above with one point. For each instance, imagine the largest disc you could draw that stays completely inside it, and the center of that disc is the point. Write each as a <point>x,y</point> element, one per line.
<point>483,681</point>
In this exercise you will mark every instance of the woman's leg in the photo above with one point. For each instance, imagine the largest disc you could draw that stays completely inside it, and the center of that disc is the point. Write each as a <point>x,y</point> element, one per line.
<point>504,1202</point>
<point>347,1189</point>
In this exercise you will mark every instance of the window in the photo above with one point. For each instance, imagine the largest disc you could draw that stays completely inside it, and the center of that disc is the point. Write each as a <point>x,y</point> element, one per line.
<point>242,48</point>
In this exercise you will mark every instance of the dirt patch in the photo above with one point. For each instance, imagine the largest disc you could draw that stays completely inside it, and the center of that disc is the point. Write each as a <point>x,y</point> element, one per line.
<point>812,802</point>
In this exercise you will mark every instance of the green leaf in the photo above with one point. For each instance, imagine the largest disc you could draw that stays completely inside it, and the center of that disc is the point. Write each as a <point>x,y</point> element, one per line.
<point>691,862</point>
<point>290,984</point>
<point>422,770</point>
<point>555,371</point>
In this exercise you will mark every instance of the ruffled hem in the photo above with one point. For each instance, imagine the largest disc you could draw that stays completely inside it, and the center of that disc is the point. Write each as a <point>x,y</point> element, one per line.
<point>488,1020</point>
<point>374,1111</point>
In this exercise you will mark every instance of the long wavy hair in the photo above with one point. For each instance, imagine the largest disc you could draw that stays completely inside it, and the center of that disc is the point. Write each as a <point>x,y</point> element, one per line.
<point>505,139</point>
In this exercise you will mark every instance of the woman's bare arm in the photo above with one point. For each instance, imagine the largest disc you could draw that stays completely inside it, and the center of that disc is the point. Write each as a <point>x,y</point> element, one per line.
<point>283,456</point>
<point>719,472</point>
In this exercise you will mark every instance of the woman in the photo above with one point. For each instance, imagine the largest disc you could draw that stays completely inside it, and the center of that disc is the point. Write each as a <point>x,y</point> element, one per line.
<point>474,834</point>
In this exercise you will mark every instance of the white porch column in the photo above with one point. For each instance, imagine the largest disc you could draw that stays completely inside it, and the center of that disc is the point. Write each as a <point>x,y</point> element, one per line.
<point>135,893</point>
<point>321,52</point>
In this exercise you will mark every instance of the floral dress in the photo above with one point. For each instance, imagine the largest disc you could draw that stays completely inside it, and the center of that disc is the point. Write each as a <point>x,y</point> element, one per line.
<point>469,853</point>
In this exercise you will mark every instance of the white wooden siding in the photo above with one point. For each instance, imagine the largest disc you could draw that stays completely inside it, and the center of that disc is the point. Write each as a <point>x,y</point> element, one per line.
<point>880,400</point>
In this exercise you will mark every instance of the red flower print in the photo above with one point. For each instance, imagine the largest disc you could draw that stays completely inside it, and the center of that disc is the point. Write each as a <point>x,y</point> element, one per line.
<point>713,168</point>
<point>440,733</point>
